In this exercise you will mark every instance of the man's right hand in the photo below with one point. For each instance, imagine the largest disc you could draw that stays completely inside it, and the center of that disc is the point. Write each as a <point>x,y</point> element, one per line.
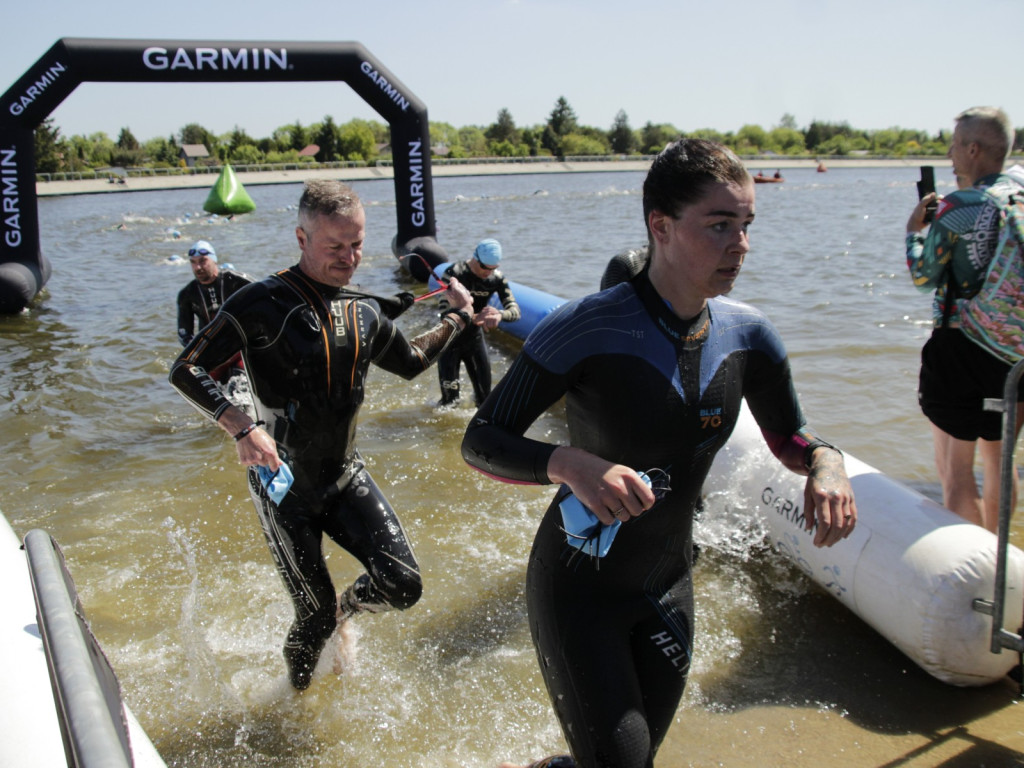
<point>255,449</point>
<point>916,222</point>
<point>458,297</point>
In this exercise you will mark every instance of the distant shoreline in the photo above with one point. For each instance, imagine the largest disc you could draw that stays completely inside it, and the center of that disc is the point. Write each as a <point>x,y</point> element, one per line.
<point>440,170</point>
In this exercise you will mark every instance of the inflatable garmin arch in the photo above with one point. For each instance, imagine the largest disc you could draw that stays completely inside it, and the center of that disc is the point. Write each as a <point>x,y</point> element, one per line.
<point>24,269</point>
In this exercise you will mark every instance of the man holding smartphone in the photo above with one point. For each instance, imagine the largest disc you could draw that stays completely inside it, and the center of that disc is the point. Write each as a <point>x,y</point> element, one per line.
<point>957,375</point>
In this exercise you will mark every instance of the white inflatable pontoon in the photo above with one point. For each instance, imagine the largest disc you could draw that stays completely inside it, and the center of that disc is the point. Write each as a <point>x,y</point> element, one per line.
<point>912,569</point>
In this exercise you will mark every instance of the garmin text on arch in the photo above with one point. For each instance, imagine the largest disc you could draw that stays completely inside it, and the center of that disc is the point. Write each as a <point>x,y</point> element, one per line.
<point>416,188</point>
<point>212,58</point>
<point>10,197</point>
<point>35,90</point>
<point>382,82</point>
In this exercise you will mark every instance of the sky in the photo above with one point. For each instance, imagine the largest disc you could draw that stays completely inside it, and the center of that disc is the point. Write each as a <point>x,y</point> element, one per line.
<point>694,64</point>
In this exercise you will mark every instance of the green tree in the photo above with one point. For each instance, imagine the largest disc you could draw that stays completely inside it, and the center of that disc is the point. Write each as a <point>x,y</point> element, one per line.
<point>126,140</point>
<point>653,138</point>
<point>356,142</point>
<point>48,147</point>
<point>818,134</point>
<point>787,141</point>
<point>101,147</point>
<point>326,137</point>
<point>507,149</point>
<point>581,145</point>
<point>246,154</point>
<point>381,132</point>
<point>550,141</point>
<point>750,139</point>
<point>193,133</point>
<point>473,141</point>
<point>621,137</point>
<point>237,139</point>
<point>446,136</point>
<point>710,134</point>
<point>298,136</point>
<point>161,152</point>
<point>531,140</point>
<point>788,121</point>
<point>285,156</point>
<point>503,129</point>
<point>563,118</point>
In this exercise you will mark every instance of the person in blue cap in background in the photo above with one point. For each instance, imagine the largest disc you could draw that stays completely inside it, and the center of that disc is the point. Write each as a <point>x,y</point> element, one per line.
<point>203,296</point>
<point>482,278</point>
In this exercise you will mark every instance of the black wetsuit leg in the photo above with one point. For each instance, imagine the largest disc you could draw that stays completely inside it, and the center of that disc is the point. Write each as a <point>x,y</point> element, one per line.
<point>361,521</point>
<point>614,667</point>
<point>448,366</point>
<point>478,366</point>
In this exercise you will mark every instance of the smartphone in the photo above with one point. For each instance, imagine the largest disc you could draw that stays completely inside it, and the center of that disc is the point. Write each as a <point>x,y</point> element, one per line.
<point>926,186</point>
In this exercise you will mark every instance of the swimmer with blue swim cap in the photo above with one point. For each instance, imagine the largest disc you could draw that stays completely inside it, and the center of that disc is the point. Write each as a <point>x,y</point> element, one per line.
<point>482,279</point>
<point>200,300</point>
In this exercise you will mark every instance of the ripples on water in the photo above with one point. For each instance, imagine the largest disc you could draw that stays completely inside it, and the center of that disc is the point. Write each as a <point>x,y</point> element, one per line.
<point>151,509</point>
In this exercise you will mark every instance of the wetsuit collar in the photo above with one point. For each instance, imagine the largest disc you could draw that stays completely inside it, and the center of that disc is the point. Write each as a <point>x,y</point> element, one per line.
<point>689,329</point>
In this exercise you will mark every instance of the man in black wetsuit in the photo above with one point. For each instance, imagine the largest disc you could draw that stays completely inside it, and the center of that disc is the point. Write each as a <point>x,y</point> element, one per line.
<point>482,279</point>
<point>307,344</point>
<point>203,296</point>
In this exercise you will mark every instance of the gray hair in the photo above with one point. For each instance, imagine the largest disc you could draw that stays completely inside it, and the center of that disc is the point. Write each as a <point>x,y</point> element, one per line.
<point>990,128</point>
<point>327,197</point>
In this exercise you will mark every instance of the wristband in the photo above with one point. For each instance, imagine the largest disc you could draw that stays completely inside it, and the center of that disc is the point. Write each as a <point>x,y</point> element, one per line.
<point>461,313</point>
<point>249,429</point>
<point>812,446</point>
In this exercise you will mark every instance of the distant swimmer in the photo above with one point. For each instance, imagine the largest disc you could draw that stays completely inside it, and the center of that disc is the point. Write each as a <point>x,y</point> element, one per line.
<point>308,343</point>
<point>200,300</point>
<point>482,278</point>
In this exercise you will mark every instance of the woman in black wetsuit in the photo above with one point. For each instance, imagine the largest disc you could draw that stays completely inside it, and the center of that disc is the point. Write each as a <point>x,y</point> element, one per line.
<point>654,372</point>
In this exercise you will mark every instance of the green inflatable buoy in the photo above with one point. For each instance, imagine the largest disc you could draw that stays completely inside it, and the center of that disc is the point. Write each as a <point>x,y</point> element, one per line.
<point>228,196</point>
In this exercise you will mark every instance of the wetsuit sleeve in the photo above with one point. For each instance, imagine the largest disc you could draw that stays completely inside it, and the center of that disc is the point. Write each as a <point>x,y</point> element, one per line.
<point>186,318</point>
<point>213,346</point>
<point>409,358</point>
<point>511,312</point>
<point>772,398</point>
<point>495,441</point>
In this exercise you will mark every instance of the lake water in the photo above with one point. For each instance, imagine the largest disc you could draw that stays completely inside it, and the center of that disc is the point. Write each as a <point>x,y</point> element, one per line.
<point>150,506</point>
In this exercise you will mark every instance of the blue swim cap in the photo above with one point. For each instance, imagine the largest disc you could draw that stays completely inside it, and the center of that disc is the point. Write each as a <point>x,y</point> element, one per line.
<point>202,248</point>
<point>488,252</point>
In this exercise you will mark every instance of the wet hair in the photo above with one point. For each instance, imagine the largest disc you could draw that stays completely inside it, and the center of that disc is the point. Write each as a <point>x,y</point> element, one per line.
<point>990,128</point>
<point>327,197</point>
<point>682,173</point>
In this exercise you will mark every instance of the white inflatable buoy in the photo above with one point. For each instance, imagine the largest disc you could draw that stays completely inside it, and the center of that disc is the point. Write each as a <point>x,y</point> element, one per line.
<point>911,569</point>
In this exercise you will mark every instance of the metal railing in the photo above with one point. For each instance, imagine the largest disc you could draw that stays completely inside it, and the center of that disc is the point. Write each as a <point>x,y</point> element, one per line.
<point>996,608</point>
<point>85,689</point>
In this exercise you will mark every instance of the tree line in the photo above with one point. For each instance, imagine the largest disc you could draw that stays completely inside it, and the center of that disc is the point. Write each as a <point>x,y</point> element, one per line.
<point>367,141</point>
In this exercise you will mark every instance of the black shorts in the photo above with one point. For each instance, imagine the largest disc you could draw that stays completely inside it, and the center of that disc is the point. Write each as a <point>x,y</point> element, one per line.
<point>957,376</point>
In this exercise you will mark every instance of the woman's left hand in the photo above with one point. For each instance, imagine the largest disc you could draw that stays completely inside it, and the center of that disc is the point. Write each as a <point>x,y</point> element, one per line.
<point>829,506</point>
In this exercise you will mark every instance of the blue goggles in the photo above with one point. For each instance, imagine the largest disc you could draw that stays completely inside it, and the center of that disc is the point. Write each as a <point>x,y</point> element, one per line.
<point>198,252</point>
